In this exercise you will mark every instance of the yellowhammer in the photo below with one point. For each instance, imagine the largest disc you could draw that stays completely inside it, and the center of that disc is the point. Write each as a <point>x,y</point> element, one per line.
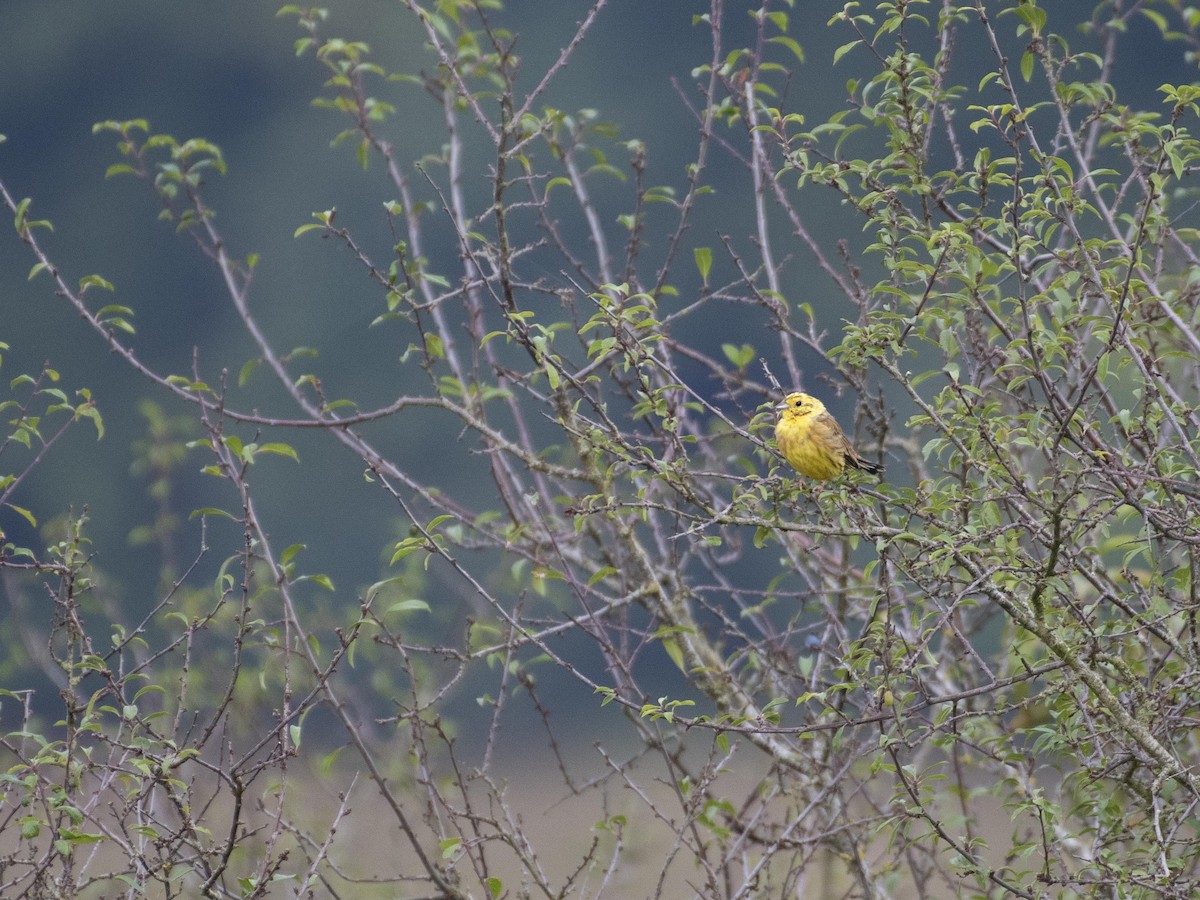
<point>812,441</point>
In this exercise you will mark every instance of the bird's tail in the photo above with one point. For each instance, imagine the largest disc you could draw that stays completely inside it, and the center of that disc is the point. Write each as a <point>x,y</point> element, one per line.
<point>860,463</point>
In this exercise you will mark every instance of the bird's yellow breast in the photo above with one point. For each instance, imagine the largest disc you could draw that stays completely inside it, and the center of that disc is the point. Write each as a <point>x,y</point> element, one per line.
<point>807,446</point>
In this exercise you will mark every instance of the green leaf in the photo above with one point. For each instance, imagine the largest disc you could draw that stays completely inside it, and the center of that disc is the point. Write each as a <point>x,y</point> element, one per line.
<point>88,411</point>
<point>790,43</point>
<point>601,574</point>
<point>843,50</point>
<point>247,370</point>
<point>413,604</point>
<point>675,652</point>
<point>374,589</point>
<point>328,760</point>
<point>740,356</point>
<point>23,513</point>
<point>279,450</point>
<point>89,281</point>
<point>211,511</point>
<point>1033,15</point>
<point>1027,60</point>
<point>703,256</point>
<point>434,346</point>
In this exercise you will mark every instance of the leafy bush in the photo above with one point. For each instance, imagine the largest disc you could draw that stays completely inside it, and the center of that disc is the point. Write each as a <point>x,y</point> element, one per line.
<point>976,675</point>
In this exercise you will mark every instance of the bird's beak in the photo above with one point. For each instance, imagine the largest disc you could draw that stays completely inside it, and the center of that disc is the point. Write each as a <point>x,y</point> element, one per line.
<point>781,406</point>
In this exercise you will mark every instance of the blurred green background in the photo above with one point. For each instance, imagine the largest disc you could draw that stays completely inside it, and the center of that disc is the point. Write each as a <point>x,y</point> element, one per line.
<point>227,71</point>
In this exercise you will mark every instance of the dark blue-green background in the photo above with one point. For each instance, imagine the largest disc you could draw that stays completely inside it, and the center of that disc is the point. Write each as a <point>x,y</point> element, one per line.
<point>227,71</point>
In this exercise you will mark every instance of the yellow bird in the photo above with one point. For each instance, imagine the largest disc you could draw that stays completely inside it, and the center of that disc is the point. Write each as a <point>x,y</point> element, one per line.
<point>812,441</point>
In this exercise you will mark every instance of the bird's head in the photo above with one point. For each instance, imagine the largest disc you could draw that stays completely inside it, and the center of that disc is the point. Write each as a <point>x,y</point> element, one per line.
<point>798,404</point>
